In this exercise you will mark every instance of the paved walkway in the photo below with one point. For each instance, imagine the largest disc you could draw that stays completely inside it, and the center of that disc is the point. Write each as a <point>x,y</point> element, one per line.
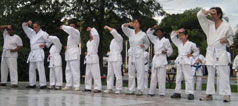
<point>37,97</point>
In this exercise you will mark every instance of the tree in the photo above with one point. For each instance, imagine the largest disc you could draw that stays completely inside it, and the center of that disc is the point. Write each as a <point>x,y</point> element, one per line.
<point>98,13</point>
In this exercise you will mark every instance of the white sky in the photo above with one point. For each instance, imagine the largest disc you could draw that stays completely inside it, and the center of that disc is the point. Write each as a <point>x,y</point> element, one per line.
<point>229,7</point>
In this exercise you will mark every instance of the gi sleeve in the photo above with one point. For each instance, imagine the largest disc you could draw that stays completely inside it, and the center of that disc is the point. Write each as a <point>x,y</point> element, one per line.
<point>150,35</point>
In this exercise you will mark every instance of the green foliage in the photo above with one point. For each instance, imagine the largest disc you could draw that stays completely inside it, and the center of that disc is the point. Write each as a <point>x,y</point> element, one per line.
<point>94,13</point>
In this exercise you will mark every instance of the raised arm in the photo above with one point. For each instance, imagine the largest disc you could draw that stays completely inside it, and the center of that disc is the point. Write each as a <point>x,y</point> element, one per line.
<point>203,21</point>
<point>174,38</point>
<point>127,31</point>
<point>114,33</point>
<point>29,31</point>
<point>55,40</point>
<point>71,31</point>
<point>151,36</point>
<point>95,35</point>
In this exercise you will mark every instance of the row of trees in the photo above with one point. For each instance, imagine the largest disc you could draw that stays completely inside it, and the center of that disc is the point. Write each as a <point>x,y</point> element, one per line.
<point>94,13</point>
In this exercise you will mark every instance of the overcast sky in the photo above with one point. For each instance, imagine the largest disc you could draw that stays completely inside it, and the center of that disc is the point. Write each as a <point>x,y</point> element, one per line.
<point>229,7</point>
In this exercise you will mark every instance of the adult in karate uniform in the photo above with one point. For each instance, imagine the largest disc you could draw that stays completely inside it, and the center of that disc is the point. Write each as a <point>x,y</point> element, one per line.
<point>12,44</point>
<point>55,65</point>
<point>146,73</point>
<point>38,40</point>
<point>72,57</point>
<point>198,66</point>
<point>114,61</point>
<point>187,50</point>
<point>162,49</point>
<point>219,36</point>
<point>92,62</point>
<point>138,44</point>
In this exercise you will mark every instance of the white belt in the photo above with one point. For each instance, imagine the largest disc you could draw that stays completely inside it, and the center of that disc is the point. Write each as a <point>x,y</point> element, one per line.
<point>215,50</point>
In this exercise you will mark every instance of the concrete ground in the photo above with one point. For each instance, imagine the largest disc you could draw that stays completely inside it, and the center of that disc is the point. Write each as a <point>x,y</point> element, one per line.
<point>36,97</point>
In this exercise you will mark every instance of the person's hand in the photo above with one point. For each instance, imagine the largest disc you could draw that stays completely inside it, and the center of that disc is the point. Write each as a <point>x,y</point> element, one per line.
<point>13,50</point>
<point>108,28</point>
<point>164,52</point>
<point>234,72</point>
<point>154,27</point>
<point>65,47</point>
<point>129,24</point>
<point>189,55</point>
<point>89,29</point>
<point>180,30</point>
<point>142,46</point>
<point>28,23</point>
<point>9,26</point>
<point>85,53</point>
<point>61,27</point>
<point>223,40</point>
<point>42,45</point>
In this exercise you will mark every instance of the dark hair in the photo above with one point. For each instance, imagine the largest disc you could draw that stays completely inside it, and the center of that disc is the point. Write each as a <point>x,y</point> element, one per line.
<point>73,21</point>
<point>185,32</point>
<point>37,22</point>
<point>139,21</point>
<point>219,11</point>
<point>159,29</point>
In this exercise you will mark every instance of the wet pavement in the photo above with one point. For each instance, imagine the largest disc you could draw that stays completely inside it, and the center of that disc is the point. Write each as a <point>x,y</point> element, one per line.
<point>37,97</point>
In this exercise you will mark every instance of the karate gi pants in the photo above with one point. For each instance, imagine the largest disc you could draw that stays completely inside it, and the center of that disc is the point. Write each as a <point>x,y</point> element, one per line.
<point>146,78</point>
<point>56,76</point>
<point>72,73</point>
<point>11,65</point>
<point>136,69</point>
<point>93,72</point>
<point>185,70</point>
<point>41,72</point>
<point>158,76</point>
<point>114,68</point>
<point>223,73</point>
<point>198,79</point>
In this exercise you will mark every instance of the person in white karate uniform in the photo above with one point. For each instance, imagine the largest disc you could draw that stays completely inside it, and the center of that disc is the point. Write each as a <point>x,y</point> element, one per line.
<point>38,40</point>
<point>138,44</point>
<point>72,57</point>
<point>12,44</point>
<point>146,73</point>
<point>235,68</point>
<point>198,66</point>
<point>92,62</point>
<point>162,49</point>
<point>219,36</point>
<point>187,50</point>
<point>55,63</point>
<point>114,61</point>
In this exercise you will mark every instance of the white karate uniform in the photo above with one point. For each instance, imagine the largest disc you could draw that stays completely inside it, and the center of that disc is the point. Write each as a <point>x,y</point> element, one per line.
<point>216,56</point>
<point>9,59</point>
<point>159,62</point>
<point>115,61</point>
<point>55,65</point>
<point>92,62</point>
<point>72,57</point>
<point>37,55</point>
<point>146,73</point>
<point>235,67</point>
<point>136,57</point>
<point>184,63</point>
<point>199,72</point>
